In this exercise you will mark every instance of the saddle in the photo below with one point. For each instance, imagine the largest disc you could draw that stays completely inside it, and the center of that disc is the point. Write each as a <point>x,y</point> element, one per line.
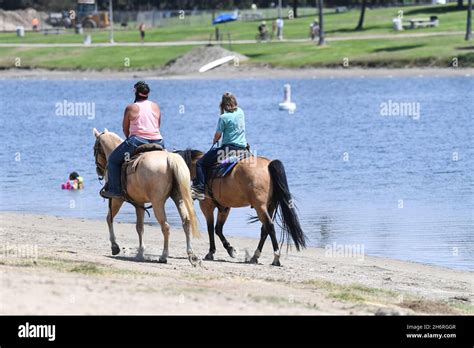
<point>222,168</point>
<point>225,165</point>
<point>130,166</point>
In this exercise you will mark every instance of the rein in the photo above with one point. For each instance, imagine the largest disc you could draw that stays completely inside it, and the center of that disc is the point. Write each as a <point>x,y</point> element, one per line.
<point>99,168</point>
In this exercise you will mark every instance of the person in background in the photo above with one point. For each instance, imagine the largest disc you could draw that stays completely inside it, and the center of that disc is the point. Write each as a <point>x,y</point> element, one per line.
<point>314,30</point>
<point>141,28</point>
<point>77,181</point>
<point>35,23</point>
<point>262,30</point>
<point>279,25</point>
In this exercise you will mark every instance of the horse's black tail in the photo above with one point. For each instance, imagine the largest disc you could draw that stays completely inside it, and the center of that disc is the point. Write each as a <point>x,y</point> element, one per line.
<point>281,200</point>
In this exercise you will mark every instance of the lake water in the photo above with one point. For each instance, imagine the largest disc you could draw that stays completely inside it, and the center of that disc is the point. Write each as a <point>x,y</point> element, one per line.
<point>400,186</point>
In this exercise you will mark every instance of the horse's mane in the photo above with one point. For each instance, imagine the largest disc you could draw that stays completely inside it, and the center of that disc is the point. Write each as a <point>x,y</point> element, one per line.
<point>114,135</point>
<point>189,155</point>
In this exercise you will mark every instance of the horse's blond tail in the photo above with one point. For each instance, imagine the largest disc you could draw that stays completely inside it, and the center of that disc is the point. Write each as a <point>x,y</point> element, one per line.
<point>183,178</point>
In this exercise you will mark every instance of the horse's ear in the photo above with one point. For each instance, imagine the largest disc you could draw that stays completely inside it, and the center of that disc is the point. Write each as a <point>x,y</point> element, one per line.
<point>96,132</point>
<point>105,130</point>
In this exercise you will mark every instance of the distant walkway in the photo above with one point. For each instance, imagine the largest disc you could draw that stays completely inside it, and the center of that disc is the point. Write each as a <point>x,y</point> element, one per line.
<point>235,42</point>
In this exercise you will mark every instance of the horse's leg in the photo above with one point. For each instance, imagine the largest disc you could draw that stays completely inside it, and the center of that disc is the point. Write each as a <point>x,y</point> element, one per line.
<point>159,210</point>
<point>186,227</point>
<point>271,232</point>
<point>267,227</point>
<point>207,208</point>
<point>221,219</point>
<point>114,207</point>
<point>140,229</point>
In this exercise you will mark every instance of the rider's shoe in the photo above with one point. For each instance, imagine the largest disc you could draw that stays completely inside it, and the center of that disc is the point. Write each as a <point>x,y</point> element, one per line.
<point>107,194</point>
<point>197,193</point>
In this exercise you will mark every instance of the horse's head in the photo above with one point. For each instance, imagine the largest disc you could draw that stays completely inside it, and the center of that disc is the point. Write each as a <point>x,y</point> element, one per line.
<point>190,157</point>
<point>104,144</point>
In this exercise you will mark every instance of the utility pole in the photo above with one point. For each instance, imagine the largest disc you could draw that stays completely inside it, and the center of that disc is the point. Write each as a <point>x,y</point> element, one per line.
<point>111,20</point>
<point>469,21</point>
<point>279,8</point>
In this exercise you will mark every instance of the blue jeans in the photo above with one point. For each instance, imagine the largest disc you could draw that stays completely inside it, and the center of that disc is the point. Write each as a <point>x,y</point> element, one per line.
<point>117,157</point>
<point>208,160</point>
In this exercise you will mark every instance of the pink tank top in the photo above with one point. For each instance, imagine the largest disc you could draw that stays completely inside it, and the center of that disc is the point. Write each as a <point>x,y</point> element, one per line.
<point>147,124</point>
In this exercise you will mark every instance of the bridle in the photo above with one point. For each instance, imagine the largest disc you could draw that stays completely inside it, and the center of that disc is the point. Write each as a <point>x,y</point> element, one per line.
<point>98,150</point>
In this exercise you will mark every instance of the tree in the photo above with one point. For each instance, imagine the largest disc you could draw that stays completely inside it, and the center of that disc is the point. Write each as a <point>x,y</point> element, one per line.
<point>469,21</point>
<point>321,30</point>
<point>459,3</point>
<point>360,25</point>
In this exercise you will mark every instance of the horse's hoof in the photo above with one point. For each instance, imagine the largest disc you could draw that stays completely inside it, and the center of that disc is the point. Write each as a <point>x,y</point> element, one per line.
<point>232,252</point>
<point>194,260</point>
<point>209,257</point>
<point>276,263</point>
<point>162,260</point>
<point>115,249</point>
<point>253,260</point>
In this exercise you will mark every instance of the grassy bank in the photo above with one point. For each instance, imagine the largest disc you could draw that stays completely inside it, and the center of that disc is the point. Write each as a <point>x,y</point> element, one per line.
<point>429,51</point>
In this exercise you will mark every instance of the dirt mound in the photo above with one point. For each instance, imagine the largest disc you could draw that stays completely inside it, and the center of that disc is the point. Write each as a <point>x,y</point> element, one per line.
<point>199,56</point>
<point>9,20</point>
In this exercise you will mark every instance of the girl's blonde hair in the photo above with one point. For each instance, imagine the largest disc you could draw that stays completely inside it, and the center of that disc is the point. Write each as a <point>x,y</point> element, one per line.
<point>228,103</point>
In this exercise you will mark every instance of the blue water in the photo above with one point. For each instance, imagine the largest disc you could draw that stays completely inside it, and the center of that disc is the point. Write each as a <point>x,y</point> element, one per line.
<point>390,183</point>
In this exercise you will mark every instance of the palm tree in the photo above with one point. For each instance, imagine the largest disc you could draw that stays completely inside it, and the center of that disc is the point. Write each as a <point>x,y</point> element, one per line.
<point>469,21</point>
<point>321,30</point>
<point>362,15</point>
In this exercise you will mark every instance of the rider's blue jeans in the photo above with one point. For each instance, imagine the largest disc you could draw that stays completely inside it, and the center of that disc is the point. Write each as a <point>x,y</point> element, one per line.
<point>209,159</point>
<point>118,156</point>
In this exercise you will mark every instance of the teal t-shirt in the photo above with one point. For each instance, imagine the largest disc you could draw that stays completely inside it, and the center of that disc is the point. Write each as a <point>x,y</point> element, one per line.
<point>232,127</point>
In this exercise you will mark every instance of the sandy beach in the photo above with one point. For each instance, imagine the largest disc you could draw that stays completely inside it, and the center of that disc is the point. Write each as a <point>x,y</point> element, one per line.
<point>244,71</point>
<point>59,265</point>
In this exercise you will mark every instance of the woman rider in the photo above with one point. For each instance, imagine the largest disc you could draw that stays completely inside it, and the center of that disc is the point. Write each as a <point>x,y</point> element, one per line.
<point>231,128</point>
<point>141,125</point>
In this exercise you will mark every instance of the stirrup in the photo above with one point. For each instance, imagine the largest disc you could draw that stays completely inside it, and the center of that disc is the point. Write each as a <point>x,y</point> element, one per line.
<point>198,194</point>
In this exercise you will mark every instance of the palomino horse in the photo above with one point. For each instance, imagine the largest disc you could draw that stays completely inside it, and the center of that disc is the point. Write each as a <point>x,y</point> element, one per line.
<point>256,182</point>
<point>159,175</point>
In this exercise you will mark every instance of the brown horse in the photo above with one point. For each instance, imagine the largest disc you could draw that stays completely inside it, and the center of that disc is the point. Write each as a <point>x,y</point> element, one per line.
<point>160,175</point>
<point>256,182</point>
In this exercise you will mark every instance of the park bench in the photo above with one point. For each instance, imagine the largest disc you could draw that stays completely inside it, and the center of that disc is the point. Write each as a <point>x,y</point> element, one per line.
<point>55,30</point>
<point>423,22</point>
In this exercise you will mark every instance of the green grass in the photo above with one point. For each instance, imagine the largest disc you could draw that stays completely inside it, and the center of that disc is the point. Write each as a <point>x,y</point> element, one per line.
<point>378,21</point>
<point>96,58</point>
<point>437,50</point>
<point>361,294</point>
<point>430,51</point>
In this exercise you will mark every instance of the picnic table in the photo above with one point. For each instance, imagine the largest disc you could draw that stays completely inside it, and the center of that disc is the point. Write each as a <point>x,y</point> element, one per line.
<point>423,22</point>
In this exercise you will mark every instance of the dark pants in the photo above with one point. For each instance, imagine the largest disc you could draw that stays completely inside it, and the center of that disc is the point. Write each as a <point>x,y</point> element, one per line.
<point>208,160</point>
<point>118,156</point>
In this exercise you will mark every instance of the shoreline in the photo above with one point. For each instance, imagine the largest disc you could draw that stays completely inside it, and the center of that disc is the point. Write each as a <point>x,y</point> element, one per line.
<point>74,259</point>
<point>255,239</point>
<point>230,72</point>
